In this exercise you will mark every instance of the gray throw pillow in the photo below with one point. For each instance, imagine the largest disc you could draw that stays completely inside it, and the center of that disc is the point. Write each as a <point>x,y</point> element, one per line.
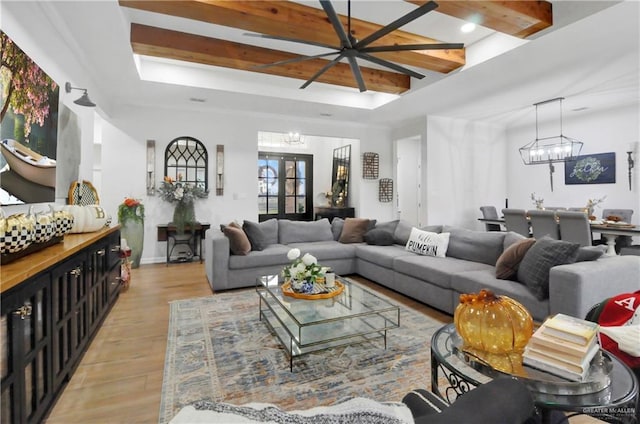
<point>477,246</point>
<point>591,253</point>
<point>389,226</point>
<point>336,227</point>
<point>304,231</point>
<point>256,236</point>
<point>378,237</point>
<point>546,253</point>
<point>402,232</point>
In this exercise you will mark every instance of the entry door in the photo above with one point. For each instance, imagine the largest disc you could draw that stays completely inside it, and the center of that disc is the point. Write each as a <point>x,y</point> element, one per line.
<point>409,175</point>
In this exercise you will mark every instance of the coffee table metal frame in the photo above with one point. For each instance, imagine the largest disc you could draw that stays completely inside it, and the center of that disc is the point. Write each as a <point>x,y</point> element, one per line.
<point>618,401</point>
<point>304,326</point>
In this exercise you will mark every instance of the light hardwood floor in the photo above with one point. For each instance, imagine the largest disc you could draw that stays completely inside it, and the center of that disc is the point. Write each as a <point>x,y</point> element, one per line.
<point>119,379</point>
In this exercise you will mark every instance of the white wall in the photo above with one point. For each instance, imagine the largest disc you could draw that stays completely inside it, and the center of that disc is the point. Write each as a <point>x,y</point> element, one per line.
<point>613,130</point>
<point>124,157</point>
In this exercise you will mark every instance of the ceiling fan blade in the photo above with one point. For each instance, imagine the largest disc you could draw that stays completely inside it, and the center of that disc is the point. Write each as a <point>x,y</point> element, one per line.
<point>293,40</point>
<point>324,69</point>
<point>355,68</point>
<point>295,60</point>
<point>390,65</point>
<point>335,21</point>
<point>403,47</point>
<point>414,14</point>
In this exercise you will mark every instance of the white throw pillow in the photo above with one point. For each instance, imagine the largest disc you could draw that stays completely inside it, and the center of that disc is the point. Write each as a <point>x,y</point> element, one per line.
<point>427,243</point>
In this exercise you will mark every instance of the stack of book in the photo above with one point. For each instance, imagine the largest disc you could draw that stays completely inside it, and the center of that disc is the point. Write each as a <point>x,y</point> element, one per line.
<point>564,346</point>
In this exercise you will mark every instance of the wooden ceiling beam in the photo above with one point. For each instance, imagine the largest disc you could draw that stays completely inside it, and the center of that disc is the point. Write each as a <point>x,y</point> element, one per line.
<point>294,20</point>
<point>520,18</point>
<point>158,42</point>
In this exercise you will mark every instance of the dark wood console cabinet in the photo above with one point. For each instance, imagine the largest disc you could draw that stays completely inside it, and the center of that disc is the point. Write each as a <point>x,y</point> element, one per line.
<point>53,303</point>
<point>330,213</point>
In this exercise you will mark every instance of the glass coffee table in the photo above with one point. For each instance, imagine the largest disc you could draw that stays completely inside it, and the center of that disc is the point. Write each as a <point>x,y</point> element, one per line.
<point>303,326</point>
<point>610,391</point>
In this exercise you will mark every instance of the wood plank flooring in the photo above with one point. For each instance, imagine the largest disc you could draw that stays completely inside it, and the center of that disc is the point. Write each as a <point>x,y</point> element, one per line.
<point>119,379</point>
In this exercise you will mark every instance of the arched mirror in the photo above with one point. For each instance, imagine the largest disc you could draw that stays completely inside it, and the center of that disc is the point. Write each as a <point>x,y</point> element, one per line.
<point>186,159</point>
<point>340,176</point>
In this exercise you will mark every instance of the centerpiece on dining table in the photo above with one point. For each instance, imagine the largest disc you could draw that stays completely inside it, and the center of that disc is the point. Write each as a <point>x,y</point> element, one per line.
<point>305,278</point>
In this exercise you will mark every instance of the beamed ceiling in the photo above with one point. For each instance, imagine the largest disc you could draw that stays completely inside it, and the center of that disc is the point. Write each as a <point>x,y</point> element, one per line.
<point>298,21</point>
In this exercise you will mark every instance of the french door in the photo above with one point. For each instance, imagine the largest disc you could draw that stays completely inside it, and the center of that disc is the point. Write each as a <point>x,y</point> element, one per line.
<point>285,186</point>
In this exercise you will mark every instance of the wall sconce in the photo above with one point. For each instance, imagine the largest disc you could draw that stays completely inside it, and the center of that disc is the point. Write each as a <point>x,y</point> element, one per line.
<point>370,165</point>
<point>385,190</point>
<point>631,164</point>
<point>83,100</point>
<point>151,167</point>
<point>219,170</point>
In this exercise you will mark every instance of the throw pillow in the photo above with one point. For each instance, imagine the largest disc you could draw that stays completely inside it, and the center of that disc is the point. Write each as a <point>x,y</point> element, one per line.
<point>239,243</point>
<point>389,226</point>
<point>353,230</point>
<point>336,227</point>
<point>378,237</point>
<point>507,264</point>
<point>402,232</point>
<point>476,246</point>
<point>546,253</point>
<point>428,243</point>
<point>255,234</point>
<point>591,253</point>
<point>304,231</point>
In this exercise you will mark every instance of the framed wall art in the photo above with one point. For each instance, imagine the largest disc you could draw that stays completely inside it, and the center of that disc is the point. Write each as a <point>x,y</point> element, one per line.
<point>591,169</point>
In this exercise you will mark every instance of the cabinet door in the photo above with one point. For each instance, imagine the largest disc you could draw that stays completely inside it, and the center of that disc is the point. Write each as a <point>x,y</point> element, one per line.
<point>98,265</point>
<point>70,307</point>
<point>27,380</point>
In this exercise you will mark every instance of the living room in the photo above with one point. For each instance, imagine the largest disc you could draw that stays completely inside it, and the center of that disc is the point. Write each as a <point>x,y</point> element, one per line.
<point>470,124</point>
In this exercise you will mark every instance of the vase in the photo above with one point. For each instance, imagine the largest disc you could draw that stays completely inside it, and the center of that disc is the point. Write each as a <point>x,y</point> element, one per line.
<point>132,230</point>
<point>183,215</point>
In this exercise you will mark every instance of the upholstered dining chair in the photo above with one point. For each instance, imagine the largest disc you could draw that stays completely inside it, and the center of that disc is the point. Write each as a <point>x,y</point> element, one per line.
<point>574,227</point>
<point>516,220</point>
<point>543,223</point>
<point>490,212</point>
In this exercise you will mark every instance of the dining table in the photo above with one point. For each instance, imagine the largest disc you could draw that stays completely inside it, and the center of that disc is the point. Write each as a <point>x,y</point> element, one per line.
<point>610,231</point>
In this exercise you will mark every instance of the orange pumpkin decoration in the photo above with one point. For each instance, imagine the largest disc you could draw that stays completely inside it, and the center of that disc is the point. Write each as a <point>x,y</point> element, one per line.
<point>493,324</point>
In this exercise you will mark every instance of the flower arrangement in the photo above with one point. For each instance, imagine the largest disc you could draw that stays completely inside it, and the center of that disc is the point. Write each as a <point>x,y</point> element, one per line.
<point>538,201</point>
<point>130,209</point>
<point>592,203</point>
<point>176,191</point>
<point>302,268</point>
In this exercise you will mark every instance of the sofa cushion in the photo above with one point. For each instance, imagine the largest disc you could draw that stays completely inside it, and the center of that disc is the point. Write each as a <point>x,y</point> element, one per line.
<point>428,243</point>
<point>336,227</point>
<point>591,253</point>
<point>304,231</point>
<point>379,237</point>
<point>435,270</point>
<point>325,250</point>
<point>389,226</point>
<point>507,264</point>
<point>403,231</point>
<point>546,253</point>
<point>274,254</point>
<point>261,234</point>
<point>477,246</point>
<point>354,229</point>
<point>239,243</point>
<point>381,255</point>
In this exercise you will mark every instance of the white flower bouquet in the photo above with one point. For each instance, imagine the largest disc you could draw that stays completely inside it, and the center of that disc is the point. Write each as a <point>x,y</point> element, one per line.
<point>302,269</point>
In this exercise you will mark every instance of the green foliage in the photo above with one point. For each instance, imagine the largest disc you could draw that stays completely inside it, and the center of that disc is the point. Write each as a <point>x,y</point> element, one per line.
<point>130,210</point>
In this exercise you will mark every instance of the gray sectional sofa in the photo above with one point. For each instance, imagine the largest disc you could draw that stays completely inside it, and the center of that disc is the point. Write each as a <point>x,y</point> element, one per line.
<point>469,266</point>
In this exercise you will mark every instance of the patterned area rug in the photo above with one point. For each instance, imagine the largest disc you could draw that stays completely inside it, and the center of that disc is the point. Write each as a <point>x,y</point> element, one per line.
<point>219,350</point>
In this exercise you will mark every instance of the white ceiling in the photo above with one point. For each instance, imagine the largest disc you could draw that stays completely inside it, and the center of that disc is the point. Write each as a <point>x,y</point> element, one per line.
<point>589,56</point>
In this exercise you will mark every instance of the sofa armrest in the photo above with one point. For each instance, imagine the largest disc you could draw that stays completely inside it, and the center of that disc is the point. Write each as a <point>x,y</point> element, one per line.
<point>217,261</point>
<point>575,288</point>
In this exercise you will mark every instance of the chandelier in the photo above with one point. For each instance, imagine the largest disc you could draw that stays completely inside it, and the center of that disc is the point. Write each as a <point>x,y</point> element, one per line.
<point>547,150</point>
<point>293,138</point>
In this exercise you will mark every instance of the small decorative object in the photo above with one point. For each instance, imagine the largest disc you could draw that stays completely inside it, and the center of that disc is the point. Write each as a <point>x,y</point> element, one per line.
<point>219,170</point>
<point>303,271</point>
<point>131,218</point>
<point>16,233</point>
<point>183,195</point>
<point>329,279</point>
<point>370,165</point>
<point>385,190</point>
<point>151,167</point>
<point>538,201</point>
<point>64,221</point>
<point>592,203</point>
<point>44,228</point>
<point>493,324</point>
<point>87,218</point>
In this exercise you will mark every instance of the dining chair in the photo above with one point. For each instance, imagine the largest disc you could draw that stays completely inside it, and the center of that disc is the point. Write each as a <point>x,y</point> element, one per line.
<point>516,220</point>
<point>574,227</point>
<point>490,212</point>
<point>543,223</point>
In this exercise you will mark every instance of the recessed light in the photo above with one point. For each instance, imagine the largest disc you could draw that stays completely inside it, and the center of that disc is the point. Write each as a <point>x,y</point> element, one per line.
<point>579,109</point>
<point>468,27</point>
<point>326,114</point>
<point>197,100</point>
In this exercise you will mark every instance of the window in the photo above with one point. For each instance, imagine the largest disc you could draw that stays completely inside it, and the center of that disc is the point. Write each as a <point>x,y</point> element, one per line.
<point>285,186</point>
<point>186,159</point>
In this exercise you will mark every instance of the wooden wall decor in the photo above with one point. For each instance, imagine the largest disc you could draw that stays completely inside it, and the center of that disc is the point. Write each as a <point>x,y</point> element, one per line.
<point>385,190</point>
<point>370,165</point>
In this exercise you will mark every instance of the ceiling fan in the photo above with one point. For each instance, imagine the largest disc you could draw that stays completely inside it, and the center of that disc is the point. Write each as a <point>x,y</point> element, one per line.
<point>351,48</point>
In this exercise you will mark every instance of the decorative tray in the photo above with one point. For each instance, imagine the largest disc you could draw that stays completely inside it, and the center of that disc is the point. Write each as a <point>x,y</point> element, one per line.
<point>319,291</point>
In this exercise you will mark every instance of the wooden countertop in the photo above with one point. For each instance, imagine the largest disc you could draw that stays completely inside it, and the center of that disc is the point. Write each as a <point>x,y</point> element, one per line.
<point>21,269</point>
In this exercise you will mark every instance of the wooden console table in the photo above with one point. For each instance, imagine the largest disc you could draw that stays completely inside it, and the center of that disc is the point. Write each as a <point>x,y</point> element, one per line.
<point>192,238</point>
<point>330,213</point>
